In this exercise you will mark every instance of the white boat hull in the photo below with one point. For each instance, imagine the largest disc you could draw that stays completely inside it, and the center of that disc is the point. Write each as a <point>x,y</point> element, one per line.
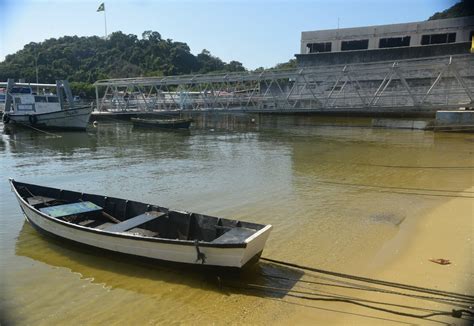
<point>149,248</point>
<point>77,118</point>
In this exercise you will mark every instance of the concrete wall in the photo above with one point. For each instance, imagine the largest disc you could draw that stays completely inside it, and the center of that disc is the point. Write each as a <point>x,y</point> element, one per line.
<point>461,26</point>
<point>389,54</point>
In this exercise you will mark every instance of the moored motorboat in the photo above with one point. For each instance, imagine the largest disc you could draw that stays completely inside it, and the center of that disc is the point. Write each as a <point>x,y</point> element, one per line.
<point>46,110</point>
<point>162,123</point>
<point>140,229</point>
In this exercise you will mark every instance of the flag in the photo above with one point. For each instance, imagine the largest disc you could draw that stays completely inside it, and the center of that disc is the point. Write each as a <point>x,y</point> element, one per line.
<point>101,7</point>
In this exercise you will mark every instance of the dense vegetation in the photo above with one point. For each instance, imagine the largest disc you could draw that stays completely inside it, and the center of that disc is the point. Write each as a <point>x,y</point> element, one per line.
<point>460,9</point>
<point>83,60</point>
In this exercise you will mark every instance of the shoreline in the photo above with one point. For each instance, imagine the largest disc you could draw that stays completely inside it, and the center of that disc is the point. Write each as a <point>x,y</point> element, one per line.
<point>446,231</point>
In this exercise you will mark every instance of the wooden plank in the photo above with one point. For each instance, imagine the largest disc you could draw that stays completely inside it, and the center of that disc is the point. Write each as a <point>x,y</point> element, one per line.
<point>71,209</point>
<point>142,232</point>
<point>110,217</point>
<point>35,200</point>
<point>235,235</point>
<point>104,225</point>
<point>86,222</point>
<point>134,222</point>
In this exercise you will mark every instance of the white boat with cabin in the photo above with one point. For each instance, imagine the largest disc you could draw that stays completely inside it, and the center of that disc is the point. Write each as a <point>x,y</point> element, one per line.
<point>52,108</point>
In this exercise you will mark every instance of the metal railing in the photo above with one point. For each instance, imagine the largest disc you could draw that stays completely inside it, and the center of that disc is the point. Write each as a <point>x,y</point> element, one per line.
<point>422,84</point>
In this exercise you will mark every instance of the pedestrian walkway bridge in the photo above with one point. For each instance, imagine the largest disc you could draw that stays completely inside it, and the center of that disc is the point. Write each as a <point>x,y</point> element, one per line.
<point>419,85</point>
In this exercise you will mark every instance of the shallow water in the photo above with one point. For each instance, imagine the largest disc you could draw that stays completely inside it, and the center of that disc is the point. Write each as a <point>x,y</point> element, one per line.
<point>306,176</point>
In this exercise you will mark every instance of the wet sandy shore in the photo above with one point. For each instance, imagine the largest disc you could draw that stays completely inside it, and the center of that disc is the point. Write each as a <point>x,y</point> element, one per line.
<point>445,232</point>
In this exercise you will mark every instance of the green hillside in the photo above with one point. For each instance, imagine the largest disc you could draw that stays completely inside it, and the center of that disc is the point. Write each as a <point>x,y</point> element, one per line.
<point>87,59</point>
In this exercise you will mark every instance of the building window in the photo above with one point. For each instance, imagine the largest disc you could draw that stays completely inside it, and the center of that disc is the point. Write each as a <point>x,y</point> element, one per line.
<point>438,38</point>
<point>393,42</point>
<point>319,47</point>
<point>354,45</point>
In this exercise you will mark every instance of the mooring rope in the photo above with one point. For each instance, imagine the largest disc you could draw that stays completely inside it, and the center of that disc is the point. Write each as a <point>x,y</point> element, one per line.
<point>457,313</point>
<point>462,167</point>
<point>48,133</point>
<point>374,289</point>
<point>315,296</point>
<point>399,190</point>
<point>468,298</point>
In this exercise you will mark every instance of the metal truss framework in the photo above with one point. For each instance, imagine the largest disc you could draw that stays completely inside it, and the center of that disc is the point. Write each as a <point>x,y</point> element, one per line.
<point>429,83</point>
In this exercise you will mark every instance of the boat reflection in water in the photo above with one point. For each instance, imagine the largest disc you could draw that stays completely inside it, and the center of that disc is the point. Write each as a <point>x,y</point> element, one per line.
<point>169,124</point>
<point>146,276</point>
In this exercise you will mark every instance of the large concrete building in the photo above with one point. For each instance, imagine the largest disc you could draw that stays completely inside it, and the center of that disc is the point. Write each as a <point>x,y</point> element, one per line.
<point>387,42</point>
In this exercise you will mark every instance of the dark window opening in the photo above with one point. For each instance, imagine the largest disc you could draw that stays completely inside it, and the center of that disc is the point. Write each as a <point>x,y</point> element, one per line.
<point>20,90</point>
<point>40,99</point>
<point>438,38</point>
<point>354,45</point>
<point>392,42</point>
<point>451,37</point>
<point>425,39</point>
<point>319,47</point>
<point>53,99</point>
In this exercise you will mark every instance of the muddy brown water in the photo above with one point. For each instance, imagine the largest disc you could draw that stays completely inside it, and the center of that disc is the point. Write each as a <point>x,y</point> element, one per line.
<point>334,189</point>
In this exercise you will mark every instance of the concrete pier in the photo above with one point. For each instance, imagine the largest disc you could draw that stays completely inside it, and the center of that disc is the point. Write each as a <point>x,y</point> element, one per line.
<point>400,124</point>
<point>461,120</point>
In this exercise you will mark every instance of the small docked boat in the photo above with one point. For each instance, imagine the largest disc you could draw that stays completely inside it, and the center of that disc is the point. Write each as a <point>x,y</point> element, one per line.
<point>2,100</point>
<point>140,229</point>
<point>46,109</point>
<point>162,123</point>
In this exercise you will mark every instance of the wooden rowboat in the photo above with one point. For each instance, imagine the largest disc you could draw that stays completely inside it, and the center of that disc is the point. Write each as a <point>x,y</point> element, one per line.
<point>162,123</point>
<point>140,229</point>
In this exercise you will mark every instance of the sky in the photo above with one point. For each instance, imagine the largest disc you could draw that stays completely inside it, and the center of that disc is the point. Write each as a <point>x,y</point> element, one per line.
<point>258,33</point>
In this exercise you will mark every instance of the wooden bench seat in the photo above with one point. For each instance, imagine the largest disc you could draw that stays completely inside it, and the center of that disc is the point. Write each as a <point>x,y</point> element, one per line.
<point>133,222</point>
<point>235,235</point>
<point>35,200</point>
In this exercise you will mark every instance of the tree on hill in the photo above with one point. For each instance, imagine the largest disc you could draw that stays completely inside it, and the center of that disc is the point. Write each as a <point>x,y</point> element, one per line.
<point>290,64</point>
<point>461,9</point>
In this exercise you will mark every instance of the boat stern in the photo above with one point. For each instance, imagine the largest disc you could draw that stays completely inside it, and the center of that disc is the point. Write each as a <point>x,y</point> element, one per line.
<point>255,244</point>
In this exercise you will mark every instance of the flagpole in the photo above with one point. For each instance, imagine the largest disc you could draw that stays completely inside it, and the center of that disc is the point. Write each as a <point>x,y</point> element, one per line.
<point>105,22</point>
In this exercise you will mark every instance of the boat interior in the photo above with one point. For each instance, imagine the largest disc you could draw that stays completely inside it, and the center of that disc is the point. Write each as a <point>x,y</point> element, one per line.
<point>132,217</point>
